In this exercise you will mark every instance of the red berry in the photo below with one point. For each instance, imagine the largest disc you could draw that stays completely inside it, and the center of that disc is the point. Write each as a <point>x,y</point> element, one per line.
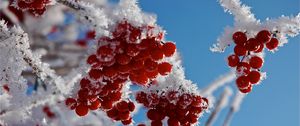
<point>272,44</point>
<point>254,77</point>
<point>239,38</point>
<point>263,36</point>
<point>127,122</point>
<point>110,72</point>
<point>124,115</point>
<point>151,75</point>
<point>83,93</point>
<point>115,96</point>
<point>150,65</point>
<point>156,54</point>
<point>6,88</point>
<point>173,122</point>
<point>124,68</point>
<point>90,35</point>
<point>192,118</point>
<point>233,60</point>
<point>153,114</point>
<point>95,104</point>
<point>164,68</point>
<point>84,83</point>
<point>71,103</point>
<point>256,62</point>
<point>246,90</point>
<point>169,49</point>
<point>123,59</point>
<point>156,123</point>
<point>92,59</point>
<point>252,44</point>
<point>107,104</point>
<point>242,82</point>
<point>113,113</point>
<point>132,50</point>
<point>95,73</point>
<point>197,100</point>
<point>131,106</point>
<point>122,106</point>
<point>260,48</point>
<point>243,68</point>
<point>240,50</point>
<point>105,51</point>
<point>81,110</point>
<point>136,65</point>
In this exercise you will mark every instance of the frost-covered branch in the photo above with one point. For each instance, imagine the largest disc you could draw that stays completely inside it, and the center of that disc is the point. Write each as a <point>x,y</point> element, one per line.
<point>245,21</point>
<point>90,15</point>
<point>235,106</point>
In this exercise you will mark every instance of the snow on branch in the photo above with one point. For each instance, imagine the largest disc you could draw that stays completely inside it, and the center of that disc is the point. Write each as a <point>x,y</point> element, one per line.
<point>246,22</point>
<point>90,15</point>
<point>235,106</point>
<point>241,13</point>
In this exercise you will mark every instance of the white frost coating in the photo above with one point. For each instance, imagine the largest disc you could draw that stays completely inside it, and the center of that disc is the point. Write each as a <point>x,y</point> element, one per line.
<point>44,24</point>
<point>221,81</point>
<point>90,15</point>
<point>237,101</point>
<point>175,81</point>
<point>286,27</point>
<point>241,13</point>
<point>245,21</point>
<point>3,4</point>
<point>4,101</point>
<point>128,9</point>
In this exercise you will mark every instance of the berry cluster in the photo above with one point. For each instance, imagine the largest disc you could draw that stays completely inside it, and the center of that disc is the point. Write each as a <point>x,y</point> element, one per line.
<point>121,111</point>
<point>182,109</point>
<point>126,56</point>
<point>35,7</point>
<point>48,112</point>
<point>248,67</point>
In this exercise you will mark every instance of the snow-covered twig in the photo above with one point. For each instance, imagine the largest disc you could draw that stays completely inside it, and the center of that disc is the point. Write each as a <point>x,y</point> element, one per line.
<point>235,106</point>
<point>222,103</point>
<point>245,21</point>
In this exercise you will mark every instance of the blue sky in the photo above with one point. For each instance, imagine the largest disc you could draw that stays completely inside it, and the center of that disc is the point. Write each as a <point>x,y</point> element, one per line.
<point>195,25</point>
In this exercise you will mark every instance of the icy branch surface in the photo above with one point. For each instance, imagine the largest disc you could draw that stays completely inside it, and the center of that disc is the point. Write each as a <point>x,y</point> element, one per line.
<point>245,21</point>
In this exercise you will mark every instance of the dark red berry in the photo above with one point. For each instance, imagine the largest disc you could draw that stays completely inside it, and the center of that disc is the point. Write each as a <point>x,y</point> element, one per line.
<point>254,77</point>
<point>263,36</point>
<point>233,60</point>
<point>239,38</point>
<point>256,62</point>
<point>272,44</point>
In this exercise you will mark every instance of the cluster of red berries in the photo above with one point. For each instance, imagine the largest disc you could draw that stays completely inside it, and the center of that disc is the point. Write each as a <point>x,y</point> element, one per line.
<point>125,56</point>
<point>182,109</point>
<point>248,67</point>
<point>36,7</point>
<point>48,112</point>
<point>121,111</point>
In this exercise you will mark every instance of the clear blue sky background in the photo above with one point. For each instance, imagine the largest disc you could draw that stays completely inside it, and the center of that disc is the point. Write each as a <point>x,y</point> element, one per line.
<point>195,25</point>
